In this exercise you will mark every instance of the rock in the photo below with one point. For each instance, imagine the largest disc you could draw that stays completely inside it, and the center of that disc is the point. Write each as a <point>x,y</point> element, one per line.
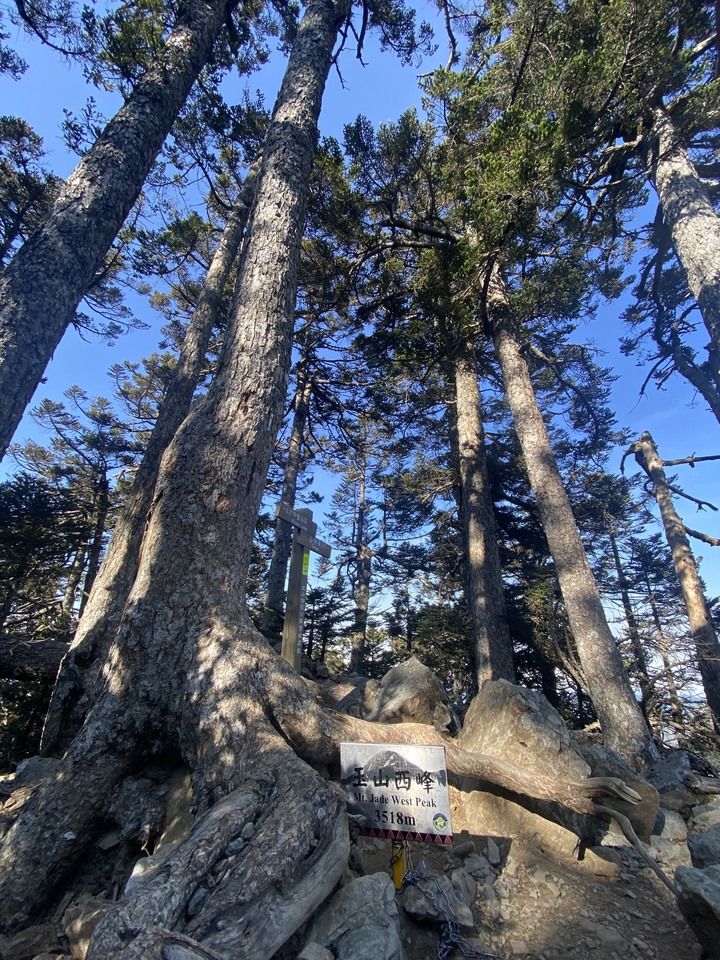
<point>607,763</point>
<point>699,902</point>
<point>669,855</point>
<point>464,885</point>
<point>361,921</point>
<point>313,951</point>
<point>35,770</point>
<point>41,938</point>
<point>484,813</point>
<point>668,844</point>
<point>409,693</point>
<point>463,849</point>
<point>520,727</point>
<point>601,863</point>
<point>670,771</point>
<point>608,937</point>
<point>79,922</point>
<point>671,826</point>
<point>433,898</point>
<point>346,696</point>
<point>705,816</point>
<point>492,852</point>
<point>705,847</point>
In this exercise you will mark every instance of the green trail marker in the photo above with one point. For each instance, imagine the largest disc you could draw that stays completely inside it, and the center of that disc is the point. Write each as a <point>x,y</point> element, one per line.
<point>304,542</point>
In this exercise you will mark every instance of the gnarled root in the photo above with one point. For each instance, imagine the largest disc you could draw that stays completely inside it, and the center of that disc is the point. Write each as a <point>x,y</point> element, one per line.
<point>257,891</point>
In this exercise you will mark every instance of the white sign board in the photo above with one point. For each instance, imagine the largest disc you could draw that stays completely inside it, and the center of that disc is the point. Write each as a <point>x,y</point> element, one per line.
<point>398,790</point>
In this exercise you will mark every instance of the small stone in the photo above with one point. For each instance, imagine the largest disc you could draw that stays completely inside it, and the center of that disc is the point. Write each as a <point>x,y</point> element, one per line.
<point>314,951</point>
<point>248,830</point>
<point>519,948</point>
<point>463,849</point>
<point>493,852</point>
<point>476,863</point>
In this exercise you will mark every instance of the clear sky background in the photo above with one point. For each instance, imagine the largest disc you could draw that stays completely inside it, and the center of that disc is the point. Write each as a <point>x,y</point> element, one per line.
<point>381,91</point>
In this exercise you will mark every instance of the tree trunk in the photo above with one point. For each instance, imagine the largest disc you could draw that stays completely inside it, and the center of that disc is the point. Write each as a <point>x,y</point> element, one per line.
<point>483,575</point>
<point>621,719</point>
<point>272,618</point>
<point>690,214</point>
<point>182,674</point>
<point>22,659</point>
<point>675,705</point>
<point>635,639</point>
<point>102,508</point>
<point>703,633</point>
<point>75,688</point>
<point>189,677</point>
<point>58,262</point>
<point>361,593</point>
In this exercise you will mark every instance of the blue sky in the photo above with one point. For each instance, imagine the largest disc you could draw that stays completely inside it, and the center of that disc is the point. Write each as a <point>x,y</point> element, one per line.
<point>381,90</point>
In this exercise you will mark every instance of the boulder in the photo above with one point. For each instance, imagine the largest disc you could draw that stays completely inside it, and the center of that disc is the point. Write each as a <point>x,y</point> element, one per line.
<point>670,772</point>
<point>409,693</point>
<point>706,815</point>
<point>606,763</point>
<point>705,847</point>
<point>699,902</point>
<point>361,921</point>
<point>520,727</point>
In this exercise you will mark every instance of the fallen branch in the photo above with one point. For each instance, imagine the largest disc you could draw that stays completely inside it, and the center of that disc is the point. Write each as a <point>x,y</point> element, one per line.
<point>632,837</point>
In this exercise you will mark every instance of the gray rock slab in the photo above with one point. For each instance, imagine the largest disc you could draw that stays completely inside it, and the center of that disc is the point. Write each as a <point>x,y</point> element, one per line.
<point>699,902</point>
<point>361,921</point>
<point>409,692</point>
<point>705,816</point>
<point>705,847</point>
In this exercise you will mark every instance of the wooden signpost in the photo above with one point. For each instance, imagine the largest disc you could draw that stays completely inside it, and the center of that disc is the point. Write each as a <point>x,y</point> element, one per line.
<point>304,542</point>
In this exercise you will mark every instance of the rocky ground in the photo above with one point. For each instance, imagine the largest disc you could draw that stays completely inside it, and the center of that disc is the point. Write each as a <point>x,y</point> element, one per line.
<point>516,881</point>
<point>540,905</point>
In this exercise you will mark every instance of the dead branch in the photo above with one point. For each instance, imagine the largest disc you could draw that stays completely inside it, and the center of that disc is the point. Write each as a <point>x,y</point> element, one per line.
<point>632,837</point>
<point>699,535</point>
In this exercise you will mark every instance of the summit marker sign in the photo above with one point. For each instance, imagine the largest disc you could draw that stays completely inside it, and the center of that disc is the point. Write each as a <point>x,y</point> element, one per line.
<point>397,790</point>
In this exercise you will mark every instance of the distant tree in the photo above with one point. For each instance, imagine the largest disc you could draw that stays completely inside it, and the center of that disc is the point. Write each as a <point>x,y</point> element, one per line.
<point>26,188</point>
<point>703,631</point>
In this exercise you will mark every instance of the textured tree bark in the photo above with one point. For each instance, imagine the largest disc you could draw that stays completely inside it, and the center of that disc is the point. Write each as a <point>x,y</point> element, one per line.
<point>180,675</point>
<point>272,618</point>
<point>483,575</point>
<point>621,719</point>
<point>689,211</point>
<point>50,274</point>
<point>703,632</point>
<point>188,677</point>
<point>76,684</point>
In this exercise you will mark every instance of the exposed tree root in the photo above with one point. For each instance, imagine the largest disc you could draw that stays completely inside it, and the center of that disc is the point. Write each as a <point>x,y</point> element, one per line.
<point>316,734</point>
<point>260,858</point>
<point>636,842</point>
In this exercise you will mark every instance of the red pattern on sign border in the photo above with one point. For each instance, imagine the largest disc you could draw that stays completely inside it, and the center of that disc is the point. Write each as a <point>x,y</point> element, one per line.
<point>405,835</point>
